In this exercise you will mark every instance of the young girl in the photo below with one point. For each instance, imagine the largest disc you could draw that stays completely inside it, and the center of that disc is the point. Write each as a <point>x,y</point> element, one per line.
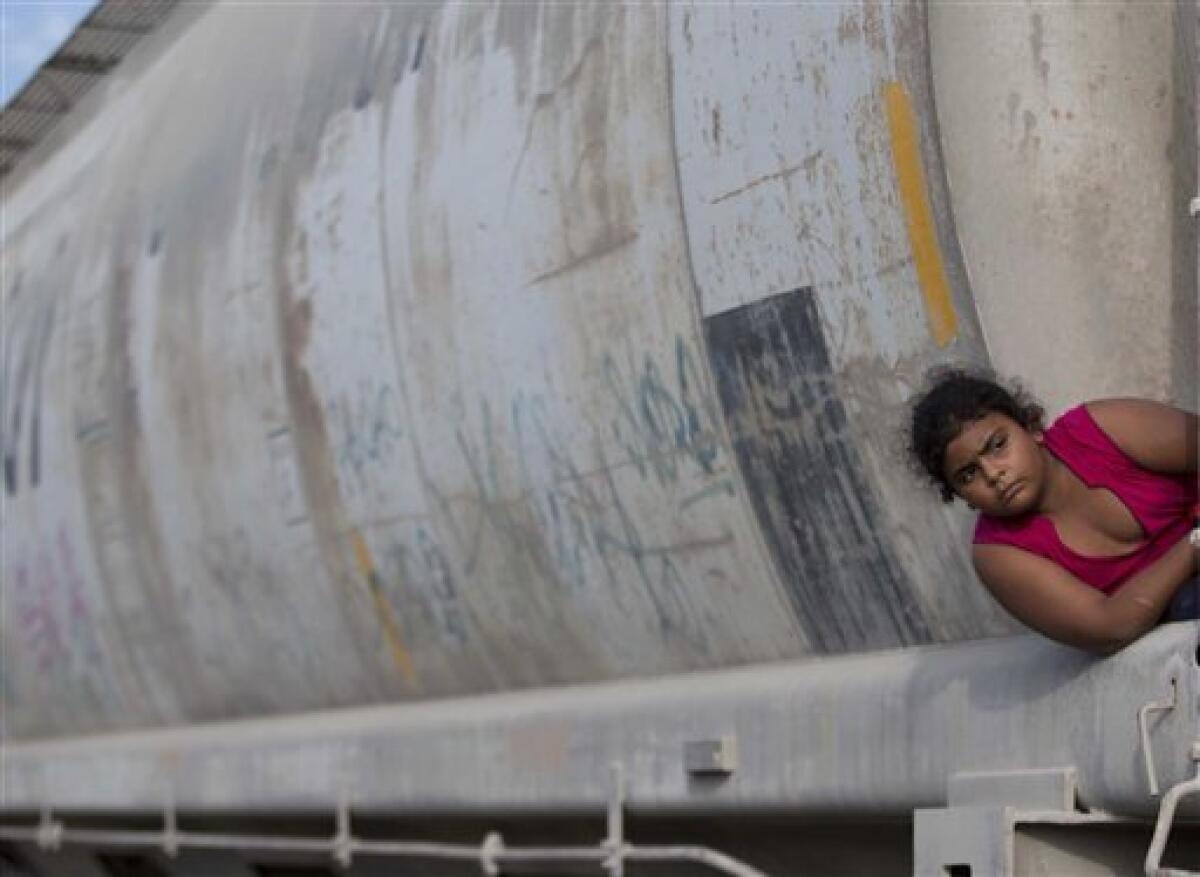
<point>1084,526</point>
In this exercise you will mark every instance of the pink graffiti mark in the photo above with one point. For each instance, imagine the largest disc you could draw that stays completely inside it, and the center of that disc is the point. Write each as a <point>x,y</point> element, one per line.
<point>79,613</point>
<point>52,609</point>
<point>35,591</point>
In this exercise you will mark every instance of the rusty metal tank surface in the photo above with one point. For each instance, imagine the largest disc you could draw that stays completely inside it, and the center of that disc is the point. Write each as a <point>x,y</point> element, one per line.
<point>358,354</point>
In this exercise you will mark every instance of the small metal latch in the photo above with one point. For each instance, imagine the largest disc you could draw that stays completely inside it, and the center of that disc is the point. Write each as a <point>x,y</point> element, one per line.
<point>711,757</point>
<point>1194,206</point>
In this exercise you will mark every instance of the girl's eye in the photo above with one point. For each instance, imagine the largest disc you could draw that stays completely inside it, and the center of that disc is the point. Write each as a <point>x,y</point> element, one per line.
<point>965,476</point>
<point>1001,441</point>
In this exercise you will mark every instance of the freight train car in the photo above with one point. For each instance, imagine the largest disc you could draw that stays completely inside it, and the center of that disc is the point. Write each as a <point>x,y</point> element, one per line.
<point>444,437</point>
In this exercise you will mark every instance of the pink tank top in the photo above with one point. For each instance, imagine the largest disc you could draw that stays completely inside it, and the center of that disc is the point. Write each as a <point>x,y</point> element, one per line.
<point>1162,504</point>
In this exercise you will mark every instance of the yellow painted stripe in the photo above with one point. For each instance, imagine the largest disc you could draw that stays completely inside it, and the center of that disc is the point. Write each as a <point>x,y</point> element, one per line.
<point>383,609</point>
<point>927,255</point>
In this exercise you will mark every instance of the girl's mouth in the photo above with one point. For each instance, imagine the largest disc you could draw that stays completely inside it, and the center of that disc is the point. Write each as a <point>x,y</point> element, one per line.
<point>1011,491</point>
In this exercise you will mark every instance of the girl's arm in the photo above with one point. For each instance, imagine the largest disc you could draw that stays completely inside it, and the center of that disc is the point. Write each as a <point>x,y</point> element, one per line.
<point>1049,599</point>
<point>1157,437</point>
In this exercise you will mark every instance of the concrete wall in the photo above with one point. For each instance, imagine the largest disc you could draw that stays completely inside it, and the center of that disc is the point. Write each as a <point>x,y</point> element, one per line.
<point>362,354</point>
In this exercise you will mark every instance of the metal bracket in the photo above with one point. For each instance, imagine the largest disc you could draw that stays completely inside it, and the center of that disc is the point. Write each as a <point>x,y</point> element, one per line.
<point>1047,789</point>
<point>49,831</point>
<point>489,851</point>
<point>343,841</point>
<point>1194,207</point>
<point>170,841</point>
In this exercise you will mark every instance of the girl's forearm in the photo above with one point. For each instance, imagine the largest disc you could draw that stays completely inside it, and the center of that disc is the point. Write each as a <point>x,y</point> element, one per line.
<point>1142,600</point>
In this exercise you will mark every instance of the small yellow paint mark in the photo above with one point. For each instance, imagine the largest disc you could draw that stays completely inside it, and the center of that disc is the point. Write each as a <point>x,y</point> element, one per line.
<point>927,255</point>
<point>365,565</point>
<point>362,555</point>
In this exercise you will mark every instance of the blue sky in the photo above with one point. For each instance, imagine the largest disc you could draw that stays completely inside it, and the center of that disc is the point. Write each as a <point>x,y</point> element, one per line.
<point>30,30</point>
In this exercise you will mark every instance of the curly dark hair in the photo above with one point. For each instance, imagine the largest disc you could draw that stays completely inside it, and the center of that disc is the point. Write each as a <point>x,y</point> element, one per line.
<point>956,397</point>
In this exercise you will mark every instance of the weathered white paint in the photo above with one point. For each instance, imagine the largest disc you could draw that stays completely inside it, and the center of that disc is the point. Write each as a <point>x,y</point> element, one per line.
<point>428,325</point>
<point>1064,129</point>
<point>785,158</point>
<point>394,383</point>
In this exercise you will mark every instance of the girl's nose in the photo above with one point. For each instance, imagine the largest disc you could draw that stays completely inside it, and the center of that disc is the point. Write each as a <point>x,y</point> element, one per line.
<point>991,472</point>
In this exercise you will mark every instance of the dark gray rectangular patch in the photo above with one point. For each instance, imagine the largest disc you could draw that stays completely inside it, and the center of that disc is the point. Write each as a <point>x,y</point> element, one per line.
<point>805,476</point>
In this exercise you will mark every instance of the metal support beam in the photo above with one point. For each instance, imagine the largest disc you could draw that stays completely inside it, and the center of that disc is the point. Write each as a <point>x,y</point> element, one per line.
<point>104,27</point>
<point>882,733</point>
<point>89,64</point>
<point>18,143</point>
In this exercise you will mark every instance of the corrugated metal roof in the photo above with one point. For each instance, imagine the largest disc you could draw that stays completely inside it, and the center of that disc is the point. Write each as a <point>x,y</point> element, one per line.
<point>95,47</point>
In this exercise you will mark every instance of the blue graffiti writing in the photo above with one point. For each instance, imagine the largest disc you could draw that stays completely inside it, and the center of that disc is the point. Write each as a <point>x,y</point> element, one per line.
<point>366,430</point>
<point>573,521</point>
<point>425,563</point>
<point>658,422</point>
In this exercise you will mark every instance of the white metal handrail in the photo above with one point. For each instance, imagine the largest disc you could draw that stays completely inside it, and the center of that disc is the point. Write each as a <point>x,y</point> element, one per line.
<point>490,854</point>
<point>1162,827</point>
<point>610,854</point>
<point>1144,731</point>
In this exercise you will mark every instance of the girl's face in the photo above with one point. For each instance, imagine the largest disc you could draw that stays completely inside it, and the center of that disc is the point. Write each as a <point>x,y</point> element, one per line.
<point>997,466</point>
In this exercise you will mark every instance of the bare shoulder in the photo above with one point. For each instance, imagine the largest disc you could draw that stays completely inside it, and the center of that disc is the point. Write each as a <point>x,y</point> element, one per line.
<point>1000,565</point>
<point>1157,436</point>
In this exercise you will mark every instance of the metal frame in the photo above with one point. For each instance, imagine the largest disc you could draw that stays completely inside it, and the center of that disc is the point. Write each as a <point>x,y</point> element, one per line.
<point>98,44</point>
